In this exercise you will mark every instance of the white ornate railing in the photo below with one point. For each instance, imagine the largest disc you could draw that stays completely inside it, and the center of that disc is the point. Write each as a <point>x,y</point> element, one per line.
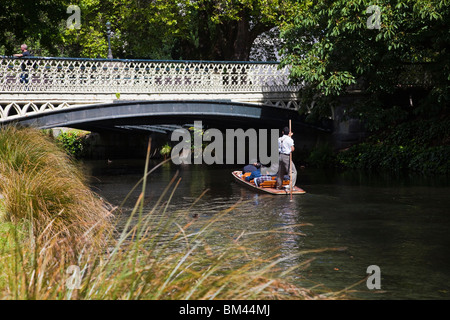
<point>32,85</point>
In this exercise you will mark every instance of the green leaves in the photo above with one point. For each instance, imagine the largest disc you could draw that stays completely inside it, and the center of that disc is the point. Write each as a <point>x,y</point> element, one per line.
<point>159,29</point>
<point>162,29</point>
<point>36,23</point>
<point>330,47</point>
<point>418,146</point>
<point>73,142</point>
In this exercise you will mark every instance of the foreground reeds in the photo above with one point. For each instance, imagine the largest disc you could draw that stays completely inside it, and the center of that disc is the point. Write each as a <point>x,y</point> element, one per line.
<point>158,254</point>
<point>43,189</point>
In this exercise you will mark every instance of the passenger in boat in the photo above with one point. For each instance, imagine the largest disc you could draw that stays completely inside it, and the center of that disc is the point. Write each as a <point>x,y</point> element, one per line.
<point>285,147</point>
<point>270,171</point>
<point>256,173</point>
<point>253,166</point>
<point>261,179</point>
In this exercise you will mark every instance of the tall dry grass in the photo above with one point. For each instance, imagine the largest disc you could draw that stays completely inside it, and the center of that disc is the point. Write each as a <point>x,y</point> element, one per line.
<point>42,187</point>
<point>160,253</point>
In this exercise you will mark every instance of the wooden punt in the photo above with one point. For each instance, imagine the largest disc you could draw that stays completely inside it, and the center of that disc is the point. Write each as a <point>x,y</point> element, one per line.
<point>266,186</point>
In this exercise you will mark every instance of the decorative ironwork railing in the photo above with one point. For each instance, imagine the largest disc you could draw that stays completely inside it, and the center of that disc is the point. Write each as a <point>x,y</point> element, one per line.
<point>36,85</point>
<point>71,75</point>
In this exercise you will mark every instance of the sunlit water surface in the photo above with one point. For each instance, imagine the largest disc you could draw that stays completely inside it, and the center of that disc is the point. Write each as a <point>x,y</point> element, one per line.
<point>400,224</point>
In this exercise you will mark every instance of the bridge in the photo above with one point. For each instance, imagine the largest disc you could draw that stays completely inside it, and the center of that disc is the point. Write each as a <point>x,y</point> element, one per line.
<point>91,93</point>
<point>142,96</point>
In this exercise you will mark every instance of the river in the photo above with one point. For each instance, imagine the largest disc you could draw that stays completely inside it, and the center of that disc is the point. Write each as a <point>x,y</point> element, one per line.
<point>400,224</point>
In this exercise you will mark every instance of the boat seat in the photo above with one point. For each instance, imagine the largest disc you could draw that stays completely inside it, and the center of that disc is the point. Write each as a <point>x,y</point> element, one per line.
<point>266,184</point>
<point>247,174</point>
<point>272,183</point>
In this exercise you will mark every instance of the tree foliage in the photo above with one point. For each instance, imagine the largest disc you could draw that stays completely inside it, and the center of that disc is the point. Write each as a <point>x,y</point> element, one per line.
<point>206,29</point>
<point>404,64</point>
<point>156,29</point>
<point>226,30</point>
<point>36,22</point>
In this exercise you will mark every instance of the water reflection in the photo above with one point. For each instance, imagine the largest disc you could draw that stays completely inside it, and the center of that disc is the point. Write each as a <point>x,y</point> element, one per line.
<point>400,224</point>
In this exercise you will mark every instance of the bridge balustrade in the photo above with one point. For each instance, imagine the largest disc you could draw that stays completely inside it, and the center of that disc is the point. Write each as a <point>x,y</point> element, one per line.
<point>38,84</point>
<point>139,76</point>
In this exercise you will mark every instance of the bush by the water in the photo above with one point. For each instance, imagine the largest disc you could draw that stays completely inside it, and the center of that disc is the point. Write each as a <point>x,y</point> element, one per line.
<point>74,142</point>
<point>419,146</point>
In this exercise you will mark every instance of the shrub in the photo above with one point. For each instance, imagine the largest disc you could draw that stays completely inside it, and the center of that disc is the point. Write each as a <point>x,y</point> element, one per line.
<point>74,142</point>
<point>165,150</point>
<point>322,156</point>
<point>419,146</point>
<point>433,160</point>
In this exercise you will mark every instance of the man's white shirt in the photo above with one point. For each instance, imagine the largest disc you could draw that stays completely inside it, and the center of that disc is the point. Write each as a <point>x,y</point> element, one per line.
<point>285,144</point>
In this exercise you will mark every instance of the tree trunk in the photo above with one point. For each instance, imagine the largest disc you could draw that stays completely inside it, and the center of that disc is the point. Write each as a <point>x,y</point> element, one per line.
<point>231,40</point>
<point>243,40</point>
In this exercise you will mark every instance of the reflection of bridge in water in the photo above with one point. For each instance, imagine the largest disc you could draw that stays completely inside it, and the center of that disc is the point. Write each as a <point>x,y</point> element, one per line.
<point>51,92</point>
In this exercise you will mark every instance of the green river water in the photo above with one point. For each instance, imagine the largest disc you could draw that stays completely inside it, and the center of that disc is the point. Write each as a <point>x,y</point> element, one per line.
<point>400,224</point>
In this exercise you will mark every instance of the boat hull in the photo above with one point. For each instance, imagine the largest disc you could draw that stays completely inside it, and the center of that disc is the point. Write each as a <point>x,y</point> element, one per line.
<point>237,175</point>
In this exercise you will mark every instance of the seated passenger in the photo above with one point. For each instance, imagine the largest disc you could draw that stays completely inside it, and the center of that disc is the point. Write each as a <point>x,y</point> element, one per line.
<point>255,165</point>
<point>256,173</point>
<point>261,179</point>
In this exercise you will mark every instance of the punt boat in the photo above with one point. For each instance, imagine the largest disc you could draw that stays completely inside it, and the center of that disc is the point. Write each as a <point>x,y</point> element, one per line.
<point>266,186</point>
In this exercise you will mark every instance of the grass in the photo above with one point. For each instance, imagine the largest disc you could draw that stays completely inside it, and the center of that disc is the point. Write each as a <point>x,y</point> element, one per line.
<point>51,221</point>
<point>41,185</point>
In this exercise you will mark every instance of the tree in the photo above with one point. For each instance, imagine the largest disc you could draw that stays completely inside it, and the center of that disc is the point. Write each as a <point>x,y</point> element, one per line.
<point>150,29</point>
<point>402,65</point>
<point>184,29</point>
<point>90,39</point>
<point>226,30</point>
<point>36,23</point>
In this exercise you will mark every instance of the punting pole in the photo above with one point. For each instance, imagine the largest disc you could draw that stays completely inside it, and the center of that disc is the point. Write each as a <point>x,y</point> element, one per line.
<point>290,164</point>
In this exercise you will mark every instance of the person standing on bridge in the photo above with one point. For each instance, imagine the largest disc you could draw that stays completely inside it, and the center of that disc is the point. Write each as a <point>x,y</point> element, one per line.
<point>25,53</point>
<point>285,147</point>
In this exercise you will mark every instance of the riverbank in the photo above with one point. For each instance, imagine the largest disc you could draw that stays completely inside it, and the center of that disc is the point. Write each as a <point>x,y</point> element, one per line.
<point>417,146</point>
<point>59,242</point>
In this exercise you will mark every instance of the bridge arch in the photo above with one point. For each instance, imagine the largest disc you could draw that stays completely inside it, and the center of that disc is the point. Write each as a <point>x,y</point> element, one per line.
<point>109,115</point>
